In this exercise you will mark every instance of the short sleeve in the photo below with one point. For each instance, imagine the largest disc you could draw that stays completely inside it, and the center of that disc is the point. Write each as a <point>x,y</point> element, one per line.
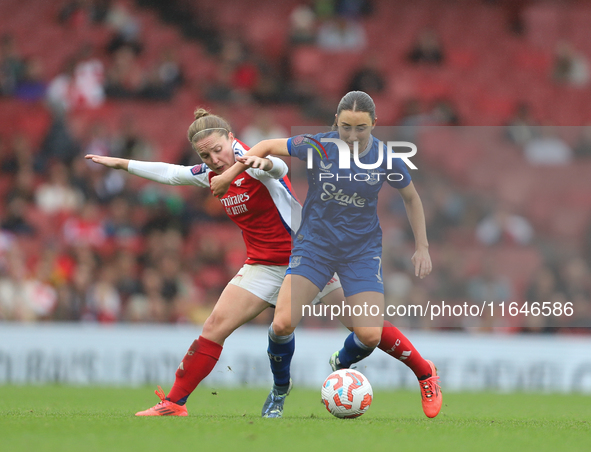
<point>298,146</point>
<point>399,176</point>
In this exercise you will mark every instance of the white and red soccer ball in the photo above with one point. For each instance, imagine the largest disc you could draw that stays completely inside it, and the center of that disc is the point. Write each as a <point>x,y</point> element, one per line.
<point>346,393</point>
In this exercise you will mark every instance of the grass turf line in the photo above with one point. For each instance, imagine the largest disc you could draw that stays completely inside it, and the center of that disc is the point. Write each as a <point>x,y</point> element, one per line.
<point>61,418</point>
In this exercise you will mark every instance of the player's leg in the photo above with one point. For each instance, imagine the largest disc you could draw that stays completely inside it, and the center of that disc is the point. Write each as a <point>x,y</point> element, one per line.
<point>288,314</point>
<point>366,324</point>
<point>393,341</point>
<point>235,307</point>
<point>397,345</point>
<point>253,290</point>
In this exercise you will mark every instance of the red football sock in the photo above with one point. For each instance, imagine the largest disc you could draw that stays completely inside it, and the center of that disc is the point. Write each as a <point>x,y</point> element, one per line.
<point>195,366</point>
<point>396,344</point>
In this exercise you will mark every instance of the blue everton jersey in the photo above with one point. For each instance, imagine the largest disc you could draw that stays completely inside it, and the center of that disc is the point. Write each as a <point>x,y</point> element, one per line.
<point>339,218</point>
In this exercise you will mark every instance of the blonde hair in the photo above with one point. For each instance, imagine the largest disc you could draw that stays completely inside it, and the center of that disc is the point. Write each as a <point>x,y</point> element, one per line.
<point>205,124</point>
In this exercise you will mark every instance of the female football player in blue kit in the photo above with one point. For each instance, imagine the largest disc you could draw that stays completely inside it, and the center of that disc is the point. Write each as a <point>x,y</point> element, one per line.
<point>340,233</point>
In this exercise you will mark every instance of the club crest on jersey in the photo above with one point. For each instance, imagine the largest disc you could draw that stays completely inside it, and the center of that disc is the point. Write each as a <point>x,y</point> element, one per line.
<point>295,261</point>
<point>238,182</point>
<point>198,169</point>
<point>374,176</point>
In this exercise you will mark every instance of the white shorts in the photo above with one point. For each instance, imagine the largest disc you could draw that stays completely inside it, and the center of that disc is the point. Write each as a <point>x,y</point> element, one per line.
<point>264,281</point>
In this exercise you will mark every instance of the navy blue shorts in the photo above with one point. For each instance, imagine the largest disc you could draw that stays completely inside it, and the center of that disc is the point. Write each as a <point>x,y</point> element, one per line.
<point>363,274</point>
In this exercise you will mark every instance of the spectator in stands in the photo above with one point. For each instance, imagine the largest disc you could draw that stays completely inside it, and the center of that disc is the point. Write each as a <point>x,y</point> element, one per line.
<point>444,113</point>
<point>237,75</point>
<point>262,128</point>
<point>104,302</point>
<point>353,9</point>
<point>129,143</point>
<point>570,67</point>
<point>73,297</point>
<point>542,285</point>
<point>23,186</point>
<point>57,194</point>
<point>447,209</point>
<point>20,157</point>
<point>89,78</point>
<point>164,78</point>
<point>14,220</point>
<point>98,183</point>
<point>12,65</point>
<point>61,92</point>
<point>177,287</point>
<point>80,13</point>
<point>368,77</point>
<point>522,127</point>
<point>98,141</point>
<point>127,275</point>
<point>24,297</point>
<point>582,148</point>
<point>504,226</point>
<point>58,144</point>
<point>427,49</point>
<point>451,277</point>
<point>575,278</point>
<point>513,11</point>
<point>339,34</point>
<point>118,224</point>
<point>302,25</point>
<point>126,28</point>
<point>548,149</point>
<point>125,77</point>
<point>85,227</point>
<point>32,86</point>
<point>148,305</point>
<point>220,88</point>
<point>412,116</point>
<point>489,285</point>
<point>79,85</point>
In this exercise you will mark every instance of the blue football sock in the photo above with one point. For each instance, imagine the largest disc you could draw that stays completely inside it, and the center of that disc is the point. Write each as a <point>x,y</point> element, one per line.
<point>280,351</point>
<point>353,351</point>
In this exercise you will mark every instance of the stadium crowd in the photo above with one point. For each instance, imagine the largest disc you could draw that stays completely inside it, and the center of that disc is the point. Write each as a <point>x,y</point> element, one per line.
<point>83,243</point>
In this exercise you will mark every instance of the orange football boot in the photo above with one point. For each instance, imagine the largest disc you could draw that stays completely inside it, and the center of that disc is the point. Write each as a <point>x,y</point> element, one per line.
<point>431,393</point>
<point>164,408</point>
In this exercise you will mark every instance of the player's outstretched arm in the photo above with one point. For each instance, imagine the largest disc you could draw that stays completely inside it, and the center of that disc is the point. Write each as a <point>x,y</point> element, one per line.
<point>416,216</point>
<point>163,173</point>
<point>109,162</point>
<point>254,158</point>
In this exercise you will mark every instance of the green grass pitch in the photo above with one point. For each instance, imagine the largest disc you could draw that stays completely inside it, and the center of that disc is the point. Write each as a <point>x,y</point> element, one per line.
<point>61,418</point>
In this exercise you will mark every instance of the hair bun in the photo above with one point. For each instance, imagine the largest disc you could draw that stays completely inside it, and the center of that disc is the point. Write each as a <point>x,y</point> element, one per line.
<point>200,113</point>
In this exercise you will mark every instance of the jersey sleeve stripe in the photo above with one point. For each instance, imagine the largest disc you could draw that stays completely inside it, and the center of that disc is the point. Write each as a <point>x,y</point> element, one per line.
<point>287,184</point>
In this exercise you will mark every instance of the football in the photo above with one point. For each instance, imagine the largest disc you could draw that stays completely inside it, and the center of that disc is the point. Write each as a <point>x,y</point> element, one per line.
<point>346,393</point>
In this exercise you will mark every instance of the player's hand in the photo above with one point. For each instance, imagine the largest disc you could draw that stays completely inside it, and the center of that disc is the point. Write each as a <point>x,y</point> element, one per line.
<point>219,185</point>
<point>422,262</point>
<point>252,161</point>
<point>109,162</point>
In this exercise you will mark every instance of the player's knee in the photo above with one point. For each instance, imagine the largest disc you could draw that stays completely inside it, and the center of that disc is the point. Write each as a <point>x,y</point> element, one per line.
<point>215,328</point>
<point>370,338</point>
<point>282,327</point>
